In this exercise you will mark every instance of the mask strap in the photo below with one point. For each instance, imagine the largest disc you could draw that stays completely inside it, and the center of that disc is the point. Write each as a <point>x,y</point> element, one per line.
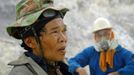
<point>112,35</point>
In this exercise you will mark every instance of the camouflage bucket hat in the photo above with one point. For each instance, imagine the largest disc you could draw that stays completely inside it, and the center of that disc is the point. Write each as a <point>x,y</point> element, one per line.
<point>28,11</point>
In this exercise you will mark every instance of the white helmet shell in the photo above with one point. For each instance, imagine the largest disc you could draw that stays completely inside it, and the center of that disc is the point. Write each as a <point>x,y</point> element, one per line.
<point>100,24</point>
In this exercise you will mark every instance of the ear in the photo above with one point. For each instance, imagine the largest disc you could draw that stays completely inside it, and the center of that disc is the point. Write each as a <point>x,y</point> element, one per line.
<point>95,37</point>
<point>112,35</point>
<point>30,42</point>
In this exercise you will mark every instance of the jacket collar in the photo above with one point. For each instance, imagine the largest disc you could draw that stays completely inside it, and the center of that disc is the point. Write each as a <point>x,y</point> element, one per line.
<point>37,59</point>
<point>119,48</point>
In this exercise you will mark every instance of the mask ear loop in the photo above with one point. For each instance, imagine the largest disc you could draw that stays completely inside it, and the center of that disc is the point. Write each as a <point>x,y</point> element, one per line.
<point>111,38</point>
<point>112,35</point>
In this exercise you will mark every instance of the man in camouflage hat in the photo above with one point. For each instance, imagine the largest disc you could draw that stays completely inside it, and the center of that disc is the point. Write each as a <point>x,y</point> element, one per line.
<point>40,27</point>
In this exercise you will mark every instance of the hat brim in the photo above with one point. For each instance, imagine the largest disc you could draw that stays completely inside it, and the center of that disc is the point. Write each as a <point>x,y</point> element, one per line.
<point>29,20</point>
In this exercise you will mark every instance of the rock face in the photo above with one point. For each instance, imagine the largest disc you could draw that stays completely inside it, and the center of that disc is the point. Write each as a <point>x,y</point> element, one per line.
<point>79,21</point>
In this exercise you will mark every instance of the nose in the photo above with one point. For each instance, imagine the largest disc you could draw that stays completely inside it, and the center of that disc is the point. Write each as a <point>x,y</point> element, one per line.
<point>62,38</point>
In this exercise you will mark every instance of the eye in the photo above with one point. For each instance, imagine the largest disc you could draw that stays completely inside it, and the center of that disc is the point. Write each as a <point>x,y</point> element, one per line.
<point>54,32</point>
<point>64,30</point>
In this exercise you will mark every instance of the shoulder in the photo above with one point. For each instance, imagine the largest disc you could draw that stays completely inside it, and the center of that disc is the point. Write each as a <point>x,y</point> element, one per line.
<point>19,66</point>
<point>26,66</point>
<point>90,49</point>
<point>20,61</point>
<point>20,70</point>
<point>124,52</point>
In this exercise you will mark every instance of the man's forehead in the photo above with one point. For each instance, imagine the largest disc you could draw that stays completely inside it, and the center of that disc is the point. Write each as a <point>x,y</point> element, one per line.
<point>54,24</point>
<point>58,27</point>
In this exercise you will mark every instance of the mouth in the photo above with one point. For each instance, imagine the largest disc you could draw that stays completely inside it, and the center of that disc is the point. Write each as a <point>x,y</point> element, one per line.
<point>62,50</point>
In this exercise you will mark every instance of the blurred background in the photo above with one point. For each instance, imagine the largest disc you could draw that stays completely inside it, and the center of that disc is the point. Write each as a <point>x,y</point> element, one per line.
<point>79,21</point>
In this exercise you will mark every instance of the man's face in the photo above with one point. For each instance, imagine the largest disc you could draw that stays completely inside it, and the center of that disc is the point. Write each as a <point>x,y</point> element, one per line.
<point>105,33</point>
<point>54,40</point>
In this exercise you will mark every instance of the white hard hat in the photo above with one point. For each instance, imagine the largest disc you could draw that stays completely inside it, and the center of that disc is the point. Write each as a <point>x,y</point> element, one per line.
<point>101,23</point>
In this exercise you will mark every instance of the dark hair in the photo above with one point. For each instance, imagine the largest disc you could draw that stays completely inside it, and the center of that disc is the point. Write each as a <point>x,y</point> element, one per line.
<point>31,33</point>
